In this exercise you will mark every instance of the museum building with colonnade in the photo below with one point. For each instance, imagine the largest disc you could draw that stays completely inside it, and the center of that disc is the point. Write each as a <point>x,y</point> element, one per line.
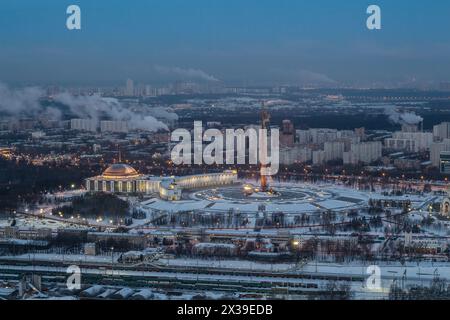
<point>123,179</point>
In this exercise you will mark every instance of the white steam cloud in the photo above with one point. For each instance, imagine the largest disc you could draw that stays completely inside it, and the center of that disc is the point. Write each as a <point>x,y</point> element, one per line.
<point>402,117</point>
<point>300,76</point>
<point>96,107</point>
<point>27,102</point>
<point>195,74</point>
<point>20,101</point>
<point>162,113</point>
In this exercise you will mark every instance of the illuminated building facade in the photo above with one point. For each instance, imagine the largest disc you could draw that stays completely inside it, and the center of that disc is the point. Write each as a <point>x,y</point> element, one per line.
<point>6,152</point>
<point>123,179</point>
<point>445,206</point>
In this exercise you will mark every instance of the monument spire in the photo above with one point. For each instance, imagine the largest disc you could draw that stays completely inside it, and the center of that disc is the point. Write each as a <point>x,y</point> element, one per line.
<point>265,118</point>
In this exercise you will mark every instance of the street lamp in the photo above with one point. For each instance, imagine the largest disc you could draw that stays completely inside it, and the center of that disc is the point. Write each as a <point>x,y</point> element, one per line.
<point>112,261</point>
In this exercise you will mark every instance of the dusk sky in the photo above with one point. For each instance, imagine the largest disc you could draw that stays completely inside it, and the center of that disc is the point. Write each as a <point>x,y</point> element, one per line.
<point>235,41</point>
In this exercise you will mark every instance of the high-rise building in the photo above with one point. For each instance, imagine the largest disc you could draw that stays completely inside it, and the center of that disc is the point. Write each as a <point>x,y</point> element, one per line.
<point>436,149</point>
<point>319,136</point>
<point>148,91</point>
<point>444,162</point>
<point>303,136</point>
<point>334,150</point>
<point>406,127</point>
<point>410,141</point>
<point>129,88</point>
<point>296,154</point>
<point>407,145</point>
<point>83,125</point>
<point>441,131</point>
<point>318,157</point>
<point>361,133</point>
<point>364,152</point>
<point>287,136</point>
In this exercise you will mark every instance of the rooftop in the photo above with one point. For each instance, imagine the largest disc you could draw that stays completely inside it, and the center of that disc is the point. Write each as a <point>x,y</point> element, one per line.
<point>119,170</point>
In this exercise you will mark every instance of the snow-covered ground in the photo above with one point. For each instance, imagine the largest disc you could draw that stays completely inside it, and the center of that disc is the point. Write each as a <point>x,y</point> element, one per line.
<point>65,258</point>
<point>39,223</point>
<point>423,271</point>
<point>318,197</point>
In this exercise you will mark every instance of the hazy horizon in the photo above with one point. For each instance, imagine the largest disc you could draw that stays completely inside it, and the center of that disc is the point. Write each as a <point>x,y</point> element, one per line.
<point>249,42</point>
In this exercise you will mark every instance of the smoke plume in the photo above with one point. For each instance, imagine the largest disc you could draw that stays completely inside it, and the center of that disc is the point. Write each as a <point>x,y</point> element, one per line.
<point>402,117</point>
<point>194,74</point>
<point>96,107</point>
<point>162,113</point>
<point>27,102</point>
